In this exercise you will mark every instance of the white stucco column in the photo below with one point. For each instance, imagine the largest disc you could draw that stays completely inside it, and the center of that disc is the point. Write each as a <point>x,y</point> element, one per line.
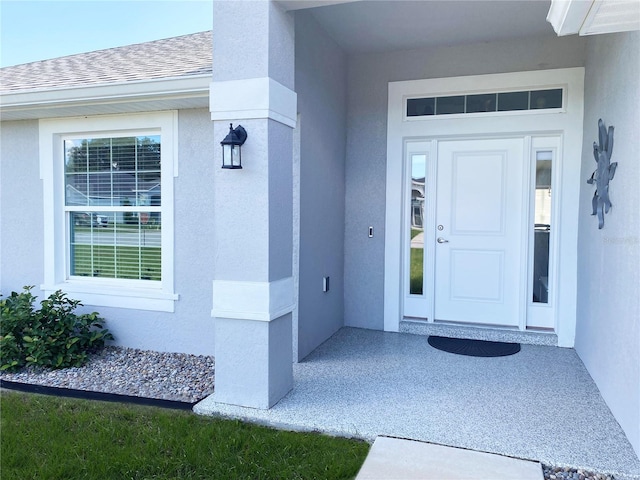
<point>253,76</point>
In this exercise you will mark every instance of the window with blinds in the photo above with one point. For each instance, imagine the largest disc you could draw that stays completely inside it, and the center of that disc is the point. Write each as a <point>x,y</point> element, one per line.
<point>113,199</point>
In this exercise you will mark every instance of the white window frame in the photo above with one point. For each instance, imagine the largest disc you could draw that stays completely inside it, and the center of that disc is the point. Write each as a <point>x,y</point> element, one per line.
<point>108,292</point>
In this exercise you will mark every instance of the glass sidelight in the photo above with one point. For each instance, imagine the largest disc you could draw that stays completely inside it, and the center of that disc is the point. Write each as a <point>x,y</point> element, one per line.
<point>542,225</point>
<point>416,227</point>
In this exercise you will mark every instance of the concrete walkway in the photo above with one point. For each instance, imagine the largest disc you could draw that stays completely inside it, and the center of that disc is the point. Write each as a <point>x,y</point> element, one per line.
<point>395,458</point>
<point>540,404</point>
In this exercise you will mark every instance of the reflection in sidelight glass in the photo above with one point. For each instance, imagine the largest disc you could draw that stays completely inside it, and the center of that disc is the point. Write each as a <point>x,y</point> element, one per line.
<point>542,226</point>
<point>416,260</point>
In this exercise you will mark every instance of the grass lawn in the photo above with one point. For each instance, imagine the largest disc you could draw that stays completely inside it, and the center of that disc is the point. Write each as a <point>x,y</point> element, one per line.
<point>61,438</point>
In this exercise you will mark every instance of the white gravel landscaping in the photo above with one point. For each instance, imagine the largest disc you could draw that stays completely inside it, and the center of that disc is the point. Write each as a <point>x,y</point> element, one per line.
<point>128,371</point>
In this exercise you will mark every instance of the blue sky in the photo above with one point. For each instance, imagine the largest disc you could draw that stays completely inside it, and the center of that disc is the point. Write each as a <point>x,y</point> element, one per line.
<point>37,30</point>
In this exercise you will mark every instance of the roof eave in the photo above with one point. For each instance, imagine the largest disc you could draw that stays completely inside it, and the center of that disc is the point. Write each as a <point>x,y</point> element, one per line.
<point>174,93</point>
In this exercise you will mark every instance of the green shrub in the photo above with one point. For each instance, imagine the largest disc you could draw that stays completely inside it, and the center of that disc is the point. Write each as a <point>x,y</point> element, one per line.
<point>16,312</point>
<point>52,337</point>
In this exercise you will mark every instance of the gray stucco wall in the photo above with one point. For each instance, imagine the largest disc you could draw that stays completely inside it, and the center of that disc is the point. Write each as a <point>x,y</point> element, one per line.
<point>280,198</point>
<point>608,325</point>
<point>190,328</point>
<point>368,77</point>
<point>251,20</point>
<point>322,98</point>
<point>21,207</point>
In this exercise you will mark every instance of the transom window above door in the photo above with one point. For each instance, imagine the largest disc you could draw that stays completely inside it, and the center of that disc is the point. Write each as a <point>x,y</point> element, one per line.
<point>485,102</point>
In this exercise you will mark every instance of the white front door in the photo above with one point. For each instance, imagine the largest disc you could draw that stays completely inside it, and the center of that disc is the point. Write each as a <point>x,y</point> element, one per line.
<point>479,251</point>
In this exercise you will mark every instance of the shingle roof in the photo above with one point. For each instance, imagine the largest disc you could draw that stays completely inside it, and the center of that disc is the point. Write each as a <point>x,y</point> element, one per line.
<point>182,56</point>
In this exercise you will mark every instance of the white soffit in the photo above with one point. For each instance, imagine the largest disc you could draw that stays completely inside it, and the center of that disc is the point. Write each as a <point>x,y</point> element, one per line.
<point>612,16</point>
<point>590,17</point>
<point>393,25</point>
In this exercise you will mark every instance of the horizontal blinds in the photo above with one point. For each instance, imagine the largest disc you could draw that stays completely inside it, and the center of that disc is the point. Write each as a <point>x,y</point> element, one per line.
<point>112,202</point>
<point>116,245</point>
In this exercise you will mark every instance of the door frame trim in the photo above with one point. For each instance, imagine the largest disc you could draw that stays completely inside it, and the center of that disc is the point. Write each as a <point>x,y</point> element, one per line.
<point>567,122</point>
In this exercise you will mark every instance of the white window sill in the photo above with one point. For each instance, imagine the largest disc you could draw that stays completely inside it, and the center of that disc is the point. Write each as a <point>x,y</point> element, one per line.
<point>120,297</point>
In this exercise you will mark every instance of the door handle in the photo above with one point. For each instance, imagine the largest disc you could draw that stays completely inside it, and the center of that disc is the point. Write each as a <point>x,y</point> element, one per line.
<point>442,240</point>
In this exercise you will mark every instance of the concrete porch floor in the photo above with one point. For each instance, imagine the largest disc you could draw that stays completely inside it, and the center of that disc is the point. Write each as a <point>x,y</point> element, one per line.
<point>540,404</point>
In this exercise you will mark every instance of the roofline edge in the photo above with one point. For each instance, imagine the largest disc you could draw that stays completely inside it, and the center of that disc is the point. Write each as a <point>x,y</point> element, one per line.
<point>156,89</point>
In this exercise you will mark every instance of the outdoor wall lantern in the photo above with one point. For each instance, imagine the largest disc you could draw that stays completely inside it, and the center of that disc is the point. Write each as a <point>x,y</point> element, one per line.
<point>232,147</point>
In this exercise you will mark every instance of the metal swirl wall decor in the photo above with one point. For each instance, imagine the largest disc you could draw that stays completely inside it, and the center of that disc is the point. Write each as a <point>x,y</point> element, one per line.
<point>603,173</point>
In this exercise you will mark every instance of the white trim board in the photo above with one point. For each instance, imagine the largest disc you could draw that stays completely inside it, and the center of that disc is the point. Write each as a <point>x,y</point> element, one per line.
<point>261,301</point>
<point>253,98</point>
<point>567,122</point>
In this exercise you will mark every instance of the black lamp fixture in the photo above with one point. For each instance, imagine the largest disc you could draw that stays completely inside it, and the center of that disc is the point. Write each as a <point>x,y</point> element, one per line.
<point>232,147</point>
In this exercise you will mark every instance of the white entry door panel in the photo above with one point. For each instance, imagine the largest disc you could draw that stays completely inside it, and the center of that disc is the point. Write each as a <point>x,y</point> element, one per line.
<point>479,218</point>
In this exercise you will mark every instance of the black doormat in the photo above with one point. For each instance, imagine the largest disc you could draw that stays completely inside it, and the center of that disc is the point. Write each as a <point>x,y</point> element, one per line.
<point>473,348</point>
